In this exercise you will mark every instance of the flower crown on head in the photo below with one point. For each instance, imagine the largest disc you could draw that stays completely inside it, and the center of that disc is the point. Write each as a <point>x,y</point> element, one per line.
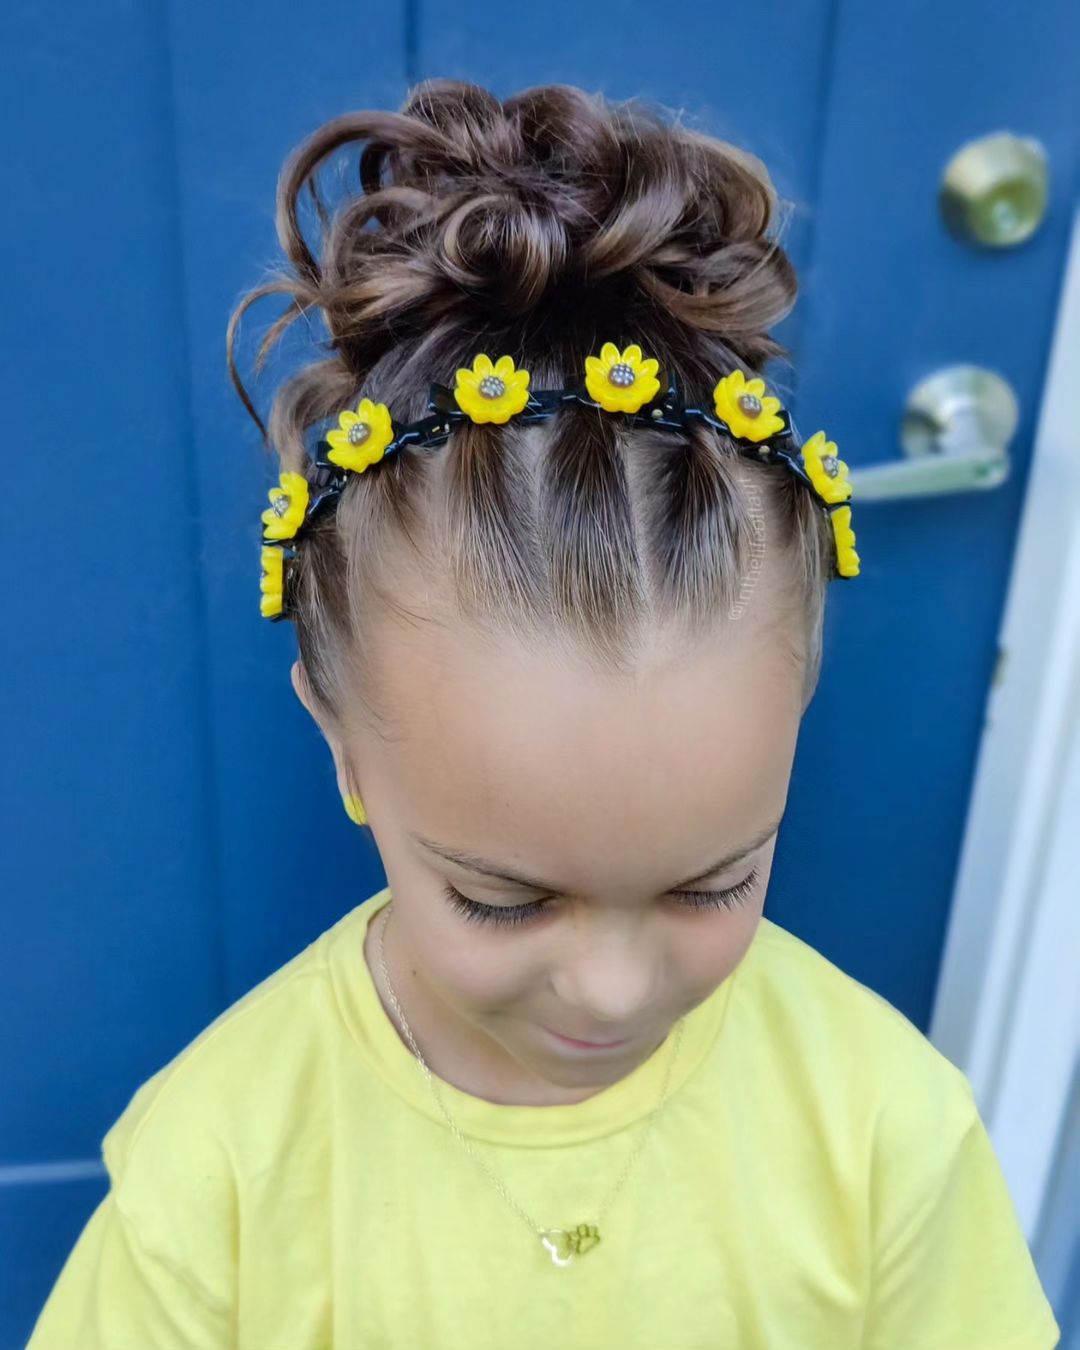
<point>616,381</point>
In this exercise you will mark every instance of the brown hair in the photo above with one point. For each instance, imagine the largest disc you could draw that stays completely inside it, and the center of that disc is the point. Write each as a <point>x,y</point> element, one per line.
<point>540,226</point>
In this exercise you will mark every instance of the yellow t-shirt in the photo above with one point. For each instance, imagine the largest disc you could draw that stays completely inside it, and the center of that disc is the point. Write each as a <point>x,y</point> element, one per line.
<point>819,1179</point>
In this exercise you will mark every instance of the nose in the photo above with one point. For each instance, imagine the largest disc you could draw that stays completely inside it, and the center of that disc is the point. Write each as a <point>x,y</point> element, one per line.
<point>609,978</point>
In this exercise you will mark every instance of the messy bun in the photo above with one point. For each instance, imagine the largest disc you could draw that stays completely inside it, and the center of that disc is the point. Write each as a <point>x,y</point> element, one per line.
<point>540,225</point>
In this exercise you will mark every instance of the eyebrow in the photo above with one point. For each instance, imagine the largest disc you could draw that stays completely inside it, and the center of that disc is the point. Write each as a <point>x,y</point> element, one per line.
<point>487,868</point>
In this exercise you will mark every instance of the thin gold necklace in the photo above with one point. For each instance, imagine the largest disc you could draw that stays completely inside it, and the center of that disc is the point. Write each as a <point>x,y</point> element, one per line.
<point>563,1244</point>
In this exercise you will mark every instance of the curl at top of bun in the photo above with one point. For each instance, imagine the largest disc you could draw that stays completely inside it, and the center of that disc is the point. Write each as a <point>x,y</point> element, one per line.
<point>550,201</point>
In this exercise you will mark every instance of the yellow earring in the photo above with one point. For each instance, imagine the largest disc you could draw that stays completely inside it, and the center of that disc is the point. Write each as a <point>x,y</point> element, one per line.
<point>354,808</point>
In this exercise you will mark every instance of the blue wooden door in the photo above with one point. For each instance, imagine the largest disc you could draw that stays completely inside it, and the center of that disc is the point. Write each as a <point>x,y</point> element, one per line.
<point>172,827</point>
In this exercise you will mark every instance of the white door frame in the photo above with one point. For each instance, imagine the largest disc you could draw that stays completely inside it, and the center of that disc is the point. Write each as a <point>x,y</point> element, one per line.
<point>1007,1004</point>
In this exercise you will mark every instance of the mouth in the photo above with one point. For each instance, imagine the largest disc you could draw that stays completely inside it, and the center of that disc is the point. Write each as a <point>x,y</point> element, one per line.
<point>587,1045</point>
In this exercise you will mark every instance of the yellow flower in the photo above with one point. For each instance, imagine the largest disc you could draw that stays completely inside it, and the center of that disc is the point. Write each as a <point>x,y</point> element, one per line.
<point>271,583</point>
<point>491,393</point>
<point>360,437</point>
<point>827,472</point>
<point>847,560</point>
<point>621,381</point>
<point>746,408</point>
<point>287,506</point>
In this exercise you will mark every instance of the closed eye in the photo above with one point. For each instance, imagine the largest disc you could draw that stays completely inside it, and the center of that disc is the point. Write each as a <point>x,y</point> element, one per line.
<point>511,915</point>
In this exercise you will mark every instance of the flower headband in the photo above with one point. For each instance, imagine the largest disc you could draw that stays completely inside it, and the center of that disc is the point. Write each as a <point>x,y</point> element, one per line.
<point>615,381</point>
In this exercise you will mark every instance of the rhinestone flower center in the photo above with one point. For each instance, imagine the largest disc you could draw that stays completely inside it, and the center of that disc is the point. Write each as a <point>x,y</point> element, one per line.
<point>492,387</point>
<point>830,465</point>
<point>281,504</point>
<point>621,374</point>
<point>358,433</point>
<point>750,404</point>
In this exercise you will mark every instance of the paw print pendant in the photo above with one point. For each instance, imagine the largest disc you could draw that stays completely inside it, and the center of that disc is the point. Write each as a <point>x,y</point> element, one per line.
<point>564,1245</point>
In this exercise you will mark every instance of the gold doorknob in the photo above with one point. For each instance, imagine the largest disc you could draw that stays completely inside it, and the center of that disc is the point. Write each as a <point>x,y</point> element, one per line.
<point>994,190</point>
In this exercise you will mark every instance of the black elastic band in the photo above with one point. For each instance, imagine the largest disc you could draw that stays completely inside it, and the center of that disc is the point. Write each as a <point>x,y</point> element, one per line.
<point>667,410</point>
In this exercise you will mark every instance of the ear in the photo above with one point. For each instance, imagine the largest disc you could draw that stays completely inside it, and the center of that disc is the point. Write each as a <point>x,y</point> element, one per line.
<point>303,693</point>
<point>301,688</point>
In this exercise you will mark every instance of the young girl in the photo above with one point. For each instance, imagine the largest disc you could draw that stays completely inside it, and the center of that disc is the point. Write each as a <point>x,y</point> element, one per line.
<point>557,563</point>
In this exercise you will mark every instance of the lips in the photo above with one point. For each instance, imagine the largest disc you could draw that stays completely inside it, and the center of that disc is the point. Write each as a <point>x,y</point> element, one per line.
<point>596,1045</point>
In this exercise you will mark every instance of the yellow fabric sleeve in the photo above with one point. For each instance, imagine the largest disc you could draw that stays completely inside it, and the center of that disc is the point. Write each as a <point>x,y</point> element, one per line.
<point>952,1267</point>
<point>155,1264</point>
<point>115,1294</point>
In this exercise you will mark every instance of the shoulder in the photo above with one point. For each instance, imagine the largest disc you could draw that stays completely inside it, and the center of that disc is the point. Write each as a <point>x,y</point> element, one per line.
<point>849,1038</point>
<point>847,1070</point>
<point>216,1096</point>
<point>217,1118</point>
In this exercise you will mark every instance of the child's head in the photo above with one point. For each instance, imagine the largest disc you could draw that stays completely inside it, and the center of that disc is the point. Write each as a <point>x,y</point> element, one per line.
<point>577,650</point>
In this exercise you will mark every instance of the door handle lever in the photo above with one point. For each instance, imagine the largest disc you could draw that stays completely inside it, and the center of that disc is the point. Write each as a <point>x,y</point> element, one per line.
<point>955,435</point>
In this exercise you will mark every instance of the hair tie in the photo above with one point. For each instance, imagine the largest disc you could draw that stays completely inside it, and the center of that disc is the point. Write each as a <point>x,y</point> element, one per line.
<point>616,381</point>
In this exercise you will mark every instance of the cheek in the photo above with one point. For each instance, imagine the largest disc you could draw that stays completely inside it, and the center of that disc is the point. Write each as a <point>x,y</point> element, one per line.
<point>715,946</point>
<point>473,970</point>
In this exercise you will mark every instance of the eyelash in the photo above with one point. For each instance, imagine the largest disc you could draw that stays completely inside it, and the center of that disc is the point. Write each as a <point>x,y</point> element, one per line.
<point>510,916</point>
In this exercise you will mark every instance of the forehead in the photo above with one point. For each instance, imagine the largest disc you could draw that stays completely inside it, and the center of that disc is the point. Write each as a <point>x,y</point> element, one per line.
<point>596,777</point>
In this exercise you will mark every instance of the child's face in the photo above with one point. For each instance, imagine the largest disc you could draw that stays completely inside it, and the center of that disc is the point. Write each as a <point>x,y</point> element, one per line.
<point>610,791</point>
